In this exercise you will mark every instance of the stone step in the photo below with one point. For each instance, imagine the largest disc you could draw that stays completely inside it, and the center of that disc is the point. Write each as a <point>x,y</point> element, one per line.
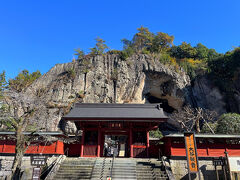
<point>127,178</point>
<point>115,170</point>
<point>76,167</point>
<point>74,172</point>
<point>151,178</point>
<point>72,177</point>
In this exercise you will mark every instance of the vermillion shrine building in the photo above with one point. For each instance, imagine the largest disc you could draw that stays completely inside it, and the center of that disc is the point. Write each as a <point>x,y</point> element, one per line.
<point>128,125</point>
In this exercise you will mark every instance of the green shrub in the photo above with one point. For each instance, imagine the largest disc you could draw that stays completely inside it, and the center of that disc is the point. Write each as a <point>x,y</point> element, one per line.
<point>126,53</point>
<point>71,73</point>
<point>228,124</point>
<point>206,129</point>
<point>165,58</point>
<point>116,52</point>
<point>155,134</point>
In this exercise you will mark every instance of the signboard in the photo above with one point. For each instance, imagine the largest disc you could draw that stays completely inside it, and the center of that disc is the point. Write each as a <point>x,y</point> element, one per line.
<point>36,173</point>
<point>191,152</point>
<point>38,160</point>
<point>234,163</point>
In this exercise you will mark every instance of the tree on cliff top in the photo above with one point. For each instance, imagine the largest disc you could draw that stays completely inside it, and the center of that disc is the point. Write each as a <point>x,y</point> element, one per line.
<point>79,53</point>
<point>142,39</point>
<point>23,80</point>
<point>145,41</point>
<point>99,48</point>
<point>161,42</point>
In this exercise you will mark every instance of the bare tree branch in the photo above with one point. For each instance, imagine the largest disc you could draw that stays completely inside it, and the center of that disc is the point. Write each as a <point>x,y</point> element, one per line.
<point>191,119</point>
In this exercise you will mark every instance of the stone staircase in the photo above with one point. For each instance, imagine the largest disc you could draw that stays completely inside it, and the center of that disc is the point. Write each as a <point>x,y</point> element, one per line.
<point>150,169</point>
<point>123,168</point>
<point>100,169</point>
<point>75,168</point>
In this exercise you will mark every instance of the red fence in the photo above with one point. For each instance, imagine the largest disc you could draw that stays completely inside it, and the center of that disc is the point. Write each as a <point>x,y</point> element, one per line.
<point>175,147</point>
<point>7,146</point>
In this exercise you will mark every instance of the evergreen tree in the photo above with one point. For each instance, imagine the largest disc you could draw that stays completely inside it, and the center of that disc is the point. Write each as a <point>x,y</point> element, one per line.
<point>142,39</point>
<point>23,80</point>
<point>161,42</point>
<point>3,83</point>
<point>79,53</point>
<point>184,50</point>
<point>99,48</point>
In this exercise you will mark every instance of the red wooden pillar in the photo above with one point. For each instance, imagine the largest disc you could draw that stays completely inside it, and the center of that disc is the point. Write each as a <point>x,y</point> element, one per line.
<point>82,143</point>
<point>225,145</point>
<point>131,141</point>
<point>207,143</point>
<point>168,148</point>
<point>99,141</point>
<point>4,144</point>
<point>147,132</point>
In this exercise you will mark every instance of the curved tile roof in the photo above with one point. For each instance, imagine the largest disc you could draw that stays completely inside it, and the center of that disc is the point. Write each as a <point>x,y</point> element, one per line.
<point>116,111</point>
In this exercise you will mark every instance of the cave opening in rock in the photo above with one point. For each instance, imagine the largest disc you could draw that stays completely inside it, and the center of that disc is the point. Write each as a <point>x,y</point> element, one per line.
<point>164,103</point>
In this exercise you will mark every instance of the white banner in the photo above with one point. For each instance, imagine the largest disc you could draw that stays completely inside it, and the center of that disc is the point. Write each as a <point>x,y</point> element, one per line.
<point>234,163</point>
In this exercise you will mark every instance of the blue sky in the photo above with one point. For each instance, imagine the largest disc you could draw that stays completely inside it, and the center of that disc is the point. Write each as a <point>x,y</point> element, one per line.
<point>36,35</point>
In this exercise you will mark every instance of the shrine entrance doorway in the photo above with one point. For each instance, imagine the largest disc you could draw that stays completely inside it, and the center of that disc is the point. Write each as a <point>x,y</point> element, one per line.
<point>116,145</point>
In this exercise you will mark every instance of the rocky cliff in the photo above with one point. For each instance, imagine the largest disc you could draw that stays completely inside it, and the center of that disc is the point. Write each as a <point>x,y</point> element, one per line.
<point>109,79</point>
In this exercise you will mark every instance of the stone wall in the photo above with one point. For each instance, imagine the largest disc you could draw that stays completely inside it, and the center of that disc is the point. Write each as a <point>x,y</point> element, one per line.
<point>207,171</point>
<point>6,165</point>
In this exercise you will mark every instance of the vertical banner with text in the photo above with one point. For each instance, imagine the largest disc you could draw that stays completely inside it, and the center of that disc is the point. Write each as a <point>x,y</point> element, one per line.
<point>191,151</point>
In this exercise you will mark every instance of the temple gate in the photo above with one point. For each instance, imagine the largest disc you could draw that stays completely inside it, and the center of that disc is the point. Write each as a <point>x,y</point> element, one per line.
<point>124,126</point>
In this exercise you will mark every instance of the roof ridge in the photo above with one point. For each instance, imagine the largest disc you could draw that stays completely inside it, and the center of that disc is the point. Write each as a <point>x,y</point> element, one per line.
<point>115,105</point>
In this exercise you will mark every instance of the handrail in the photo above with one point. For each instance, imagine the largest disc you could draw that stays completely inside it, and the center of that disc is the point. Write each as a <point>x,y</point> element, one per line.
<point>112,165</point>
<point>50,165</point>
<point>57,162</point>
<point>94,165</point>
<point>103,167</point>
<point>167,168</point>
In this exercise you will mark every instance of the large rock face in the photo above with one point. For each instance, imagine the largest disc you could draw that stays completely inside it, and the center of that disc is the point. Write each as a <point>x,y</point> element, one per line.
<point>109,79</point>
<point>208,96</point>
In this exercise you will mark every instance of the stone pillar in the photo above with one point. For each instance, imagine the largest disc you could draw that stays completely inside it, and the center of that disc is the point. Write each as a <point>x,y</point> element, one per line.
<point>82,143</point>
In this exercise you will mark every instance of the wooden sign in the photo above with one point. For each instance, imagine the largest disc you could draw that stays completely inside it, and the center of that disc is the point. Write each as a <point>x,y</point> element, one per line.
<point>116,125</point>
<point>36,173</point>
<point>38,160</point>
<point>191,152</point>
